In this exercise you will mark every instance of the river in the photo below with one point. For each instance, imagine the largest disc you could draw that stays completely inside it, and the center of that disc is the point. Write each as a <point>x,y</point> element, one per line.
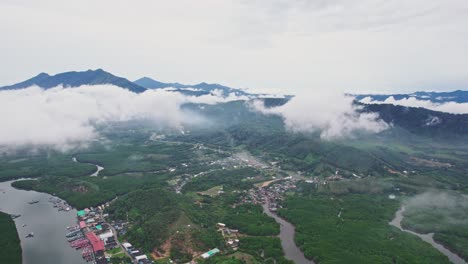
<point>98,168</point>
<point>287,231</point>
<point>49,244</point>
<point>454,258</point>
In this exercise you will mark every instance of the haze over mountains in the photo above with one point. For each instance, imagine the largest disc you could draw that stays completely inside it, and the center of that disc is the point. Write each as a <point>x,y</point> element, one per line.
<point>104,97</point>
<point>99,76</point>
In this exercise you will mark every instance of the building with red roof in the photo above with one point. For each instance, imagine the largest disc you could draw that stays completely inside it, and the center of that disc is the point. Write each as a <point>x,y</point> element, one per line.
<point>98,244</point>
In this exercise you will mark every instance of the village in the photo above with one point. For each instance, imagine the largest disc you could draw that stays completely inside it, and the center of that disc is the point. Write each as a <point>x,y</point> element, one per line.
<point>98,239</point>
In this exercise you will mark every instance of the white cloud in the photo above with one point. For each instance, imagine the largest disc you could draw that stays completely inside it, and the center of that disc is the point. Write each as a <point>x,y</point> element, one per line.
<point>332,114</point>
<point>449,107</point>
<point>67,117</point>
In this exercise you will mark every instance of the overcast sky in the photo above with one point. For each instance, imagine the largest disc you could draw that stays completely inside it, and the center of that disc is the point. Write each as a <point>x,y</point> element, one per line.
<point>286,45</point>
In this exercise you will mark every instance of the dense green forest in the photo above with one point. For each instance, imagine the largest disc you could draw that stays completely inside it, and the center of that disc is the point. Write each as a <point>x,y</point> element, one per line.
<point>442,213</point>
<point>9,241</point>
<point>353,228</point>
<point>150,211</point>
<point>265,249</point>
<point>251,220</point>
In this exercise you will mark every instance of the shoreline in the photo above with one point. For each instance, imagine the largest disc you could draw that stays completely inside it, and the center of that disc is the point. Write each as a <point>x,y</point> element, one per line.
<point>45,223</point>
<point>287,234</point>
<point>11,254</point>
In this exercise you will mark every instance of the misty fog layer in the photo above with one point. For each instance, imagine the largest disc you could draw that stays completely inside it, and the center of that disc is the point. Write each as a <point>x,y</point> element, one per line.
<point>332,114</point>
<point>449,107</point>
<point>442,209</point>
<point>67,117</point>
<point>64,117</point>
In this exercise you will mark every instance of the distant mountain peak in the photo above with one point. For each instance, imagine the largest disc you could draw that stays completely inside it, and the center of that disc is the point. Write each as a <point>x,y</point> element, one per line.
<point>202,88</point>
<point>43,74</point>
<point>75,79</point>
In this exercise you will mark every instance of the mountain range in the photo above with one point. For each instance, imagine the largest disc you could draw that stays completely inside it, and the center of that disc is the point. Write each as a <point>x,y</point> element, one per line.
<point>194,90</point>
<point>416,120</point>
<point>457,96</point>
<point>99,76</point>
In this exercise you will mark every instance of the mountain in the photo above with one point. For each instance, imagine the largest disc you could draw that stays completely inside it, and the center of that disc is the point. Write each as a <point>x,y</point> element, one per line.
<point>421,121</point>
<point>457,96</point>
<point>153,84</point>
<point>188,89</point>
<point>75,79</point>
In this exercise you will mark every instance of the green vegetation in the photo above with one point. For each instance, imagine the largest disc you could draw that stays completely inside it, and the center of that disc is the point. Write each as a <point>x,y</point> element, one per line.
<point>230,179</point>
<point>9,241</point>
<point>265,249</point>
<point>251,220</point>
<point>90,191</point>
<point>125,158</point>
<point>144,175</point>
<point>442,213</point>
<point>26,164</point>
<point>359,234</point>
<point>150,211</point>
<point>121,259</point>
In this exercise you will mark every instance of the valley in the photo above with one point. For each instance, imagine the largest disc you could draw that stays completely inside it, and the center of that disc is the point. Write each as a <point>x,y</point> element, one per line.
<point>172,192</point>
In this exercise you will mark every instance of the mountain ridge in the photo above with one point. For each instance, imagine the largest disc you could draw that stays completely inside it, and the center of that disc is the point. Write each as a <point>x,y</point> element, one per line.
<point>76,79</point>
<point>457,96</point>
<point>202,88</point>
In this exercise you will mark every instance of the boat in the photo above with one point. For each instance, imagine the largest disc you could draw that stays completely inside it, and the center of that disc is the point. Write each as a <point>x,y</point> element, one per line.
<point>73,233</point>
<point>30,235</point>
<point>33,202</point>
<point>13,216</point>
<point>24,225</point>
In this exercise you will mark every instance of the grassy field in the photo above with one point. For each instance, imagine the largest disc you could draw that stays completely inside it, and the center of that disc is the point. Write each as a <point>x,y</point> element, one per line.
<point>9,241</point>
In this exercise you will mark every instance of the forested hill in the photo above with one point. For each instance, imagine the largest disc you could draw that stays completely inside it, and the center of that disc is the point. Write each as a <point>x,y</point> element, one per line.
<point>420,120</point>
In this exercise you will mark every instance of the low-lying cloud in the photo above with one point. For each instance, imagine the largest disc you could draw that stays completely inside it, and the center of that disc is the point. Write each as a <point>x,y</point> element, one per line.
<point>449,107</point>
<point>333,115</point>
<point>447,208</point>
<point>66,117</point>
<point>215,97</point>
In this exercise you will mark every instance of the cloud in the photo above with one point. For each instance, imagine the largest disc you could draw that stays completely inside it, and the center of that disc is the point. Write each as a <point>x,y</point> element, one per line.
<point>449,107</point>
<point>333,115</point>
<point>446,207</point>
<point>215,97</point>
<point>65,118</point>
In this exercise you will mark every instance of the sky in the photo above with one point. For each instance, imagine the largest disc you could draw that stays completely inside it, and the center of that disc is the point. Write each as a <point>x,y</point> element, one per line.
<point>283,46</point>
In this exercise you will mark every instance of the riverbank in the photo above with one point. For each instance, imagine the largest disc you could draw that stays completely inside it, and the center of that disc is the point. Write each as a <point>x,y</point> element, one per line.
<point>429,238</point>
<point>287,231</point>
<point>48,245</point>
<point>9,241</point>
<point>99,168</point>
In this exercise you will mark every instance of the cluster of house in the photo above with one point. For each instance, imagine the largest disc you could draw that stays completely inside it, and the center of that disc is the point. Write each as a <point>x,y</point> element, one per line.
<point>335,177</point>
<point>271,194</point>
<point>230,235</point>
<point>136,254</point>
<point>120,227</point>
<point>92,220</point>
<point>97,232</point>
